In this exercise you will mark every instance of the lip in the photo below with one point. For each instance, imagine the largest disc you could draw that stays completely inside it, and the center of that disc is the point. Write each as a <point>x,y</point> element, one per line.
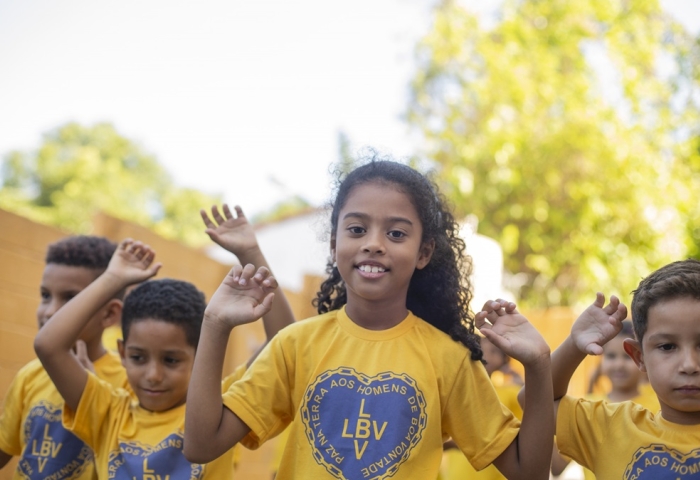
<point>688,389</point>
<point>371,274</point>
<point>153,393</point>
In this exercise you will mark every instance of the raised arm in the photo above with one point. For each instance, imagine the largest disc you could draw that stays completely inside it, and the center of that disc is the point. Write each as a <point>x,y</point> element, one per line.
<point>529,455</point>
<point>236,234</point>
<point>132,262</point>
<point>596,326</point>
<point>211,429</point>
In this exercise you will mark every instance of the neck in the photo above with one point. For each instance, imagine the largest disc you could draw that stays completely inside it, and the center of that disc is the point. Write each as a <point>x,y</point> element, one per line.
<point>376,316</point>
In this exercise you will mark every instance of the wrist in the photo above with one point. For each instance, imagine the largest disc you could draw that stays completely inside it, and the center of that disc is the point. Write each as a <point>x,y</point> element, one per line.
<point>539,363</point>
<point>252,255</point>
<point>113,281</point>
<point>212,323</point>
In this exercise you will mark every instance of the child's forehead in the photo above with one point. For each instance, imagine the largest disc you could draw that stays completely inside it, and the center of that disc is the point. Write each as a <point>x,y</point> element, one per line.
<point>679,316</point>
<point>56,275</point>
<point>157,335</point>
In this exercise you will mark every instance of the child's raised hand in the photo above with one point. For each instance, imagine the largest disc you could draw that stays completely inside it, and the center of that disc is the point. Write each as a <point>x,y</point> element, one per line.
<point>132,262</point>
<point>502,324</point>
<point>234,234</point>
<point>598,324</point>
<point>244,296</point>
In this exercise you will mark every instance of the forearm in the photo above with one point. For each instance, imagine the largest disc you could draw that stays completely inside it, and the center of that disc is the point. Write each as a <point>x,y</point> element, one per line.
<point>536,437</point>
<point>565,360</point>
<point>280,315</point>
<point>204,438</point>
<point>4,458</point>
<point>61,332</point>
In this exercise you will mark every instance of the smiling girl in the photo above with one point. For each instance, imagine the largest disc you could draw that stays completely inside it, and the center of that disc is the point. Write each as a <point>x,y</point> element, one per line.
<point>390,367</point>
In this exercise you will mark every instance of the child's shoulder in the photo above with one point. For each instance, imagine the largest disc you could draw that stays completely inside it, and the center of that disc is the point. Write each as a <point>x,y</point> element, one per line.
<point>31,371</point>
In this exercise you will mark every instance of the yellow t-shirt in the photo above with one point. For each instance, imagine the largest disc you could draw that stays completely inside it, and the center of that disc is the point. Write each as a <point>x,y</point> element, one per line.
<point>131,442</point>
<point>367,403</point>
<point>30,424</point>
<point>455,464</point>
<point>626,441</point>
<point>647,398</point>
<point>229,380</point>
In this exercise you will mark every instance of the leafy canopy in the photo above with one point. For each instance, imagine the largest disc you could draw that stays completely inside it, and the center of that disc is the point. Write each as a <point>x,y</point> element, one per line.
<point>80,170</point>
<point>566,128</point>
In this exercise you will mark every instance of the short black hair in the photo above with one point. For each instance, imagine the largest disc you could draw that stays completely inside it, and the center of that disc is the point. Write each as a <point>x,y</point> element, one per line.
<point>172,301</point>
<point>82,251</point>
<point>675,280</point>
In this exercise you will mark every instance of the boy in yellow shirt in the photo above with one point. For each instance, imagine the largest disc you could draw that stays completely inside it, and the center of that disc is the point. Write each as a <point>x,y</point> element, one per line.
<point>625,440</point>
<point>30,424</point>
<point>161,323</point>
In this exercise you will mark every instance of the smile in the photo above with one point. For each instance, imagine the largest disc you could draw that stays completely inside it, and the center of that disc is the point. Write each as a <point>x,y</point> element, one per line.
<point>371,269</point>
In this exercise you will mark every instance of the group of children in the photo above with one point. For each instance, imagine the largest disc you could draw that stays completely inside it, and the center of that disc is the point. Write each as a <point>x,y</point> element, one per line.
<point>371,388</point>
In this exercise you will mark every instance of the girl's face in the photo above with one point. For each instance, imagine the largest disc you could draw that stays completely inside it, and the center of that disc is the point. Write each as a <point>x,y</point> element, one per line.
<point>377,246</point>
<point>619,367</point>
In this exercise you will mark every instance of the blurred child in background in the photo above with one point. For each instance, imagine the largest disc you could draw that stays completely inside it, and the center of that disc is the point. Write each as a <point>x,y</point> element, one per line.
<point>30,425</point>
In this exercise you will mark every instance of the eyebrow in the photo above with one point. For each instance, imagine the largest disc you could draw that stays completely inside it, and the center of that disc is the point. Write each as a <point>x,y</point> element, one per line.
<point>166,352</point>
<point>364,216</point>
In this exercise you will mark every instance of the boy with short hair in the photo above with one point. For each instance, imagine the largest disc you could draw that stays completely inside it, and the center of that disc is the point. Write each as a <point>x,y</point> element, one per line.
<point>161,324</point>
<point>30,424</point>
<point>624,440</point>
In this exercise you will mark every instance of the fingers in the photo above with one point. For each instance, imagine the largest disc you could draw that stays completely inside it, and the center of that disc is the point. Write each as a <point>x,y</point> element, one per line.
<point>492,310</point>
<point>239,211</point>
<point>599,300</point>
<point>207,221</point>
<point>216,215</point>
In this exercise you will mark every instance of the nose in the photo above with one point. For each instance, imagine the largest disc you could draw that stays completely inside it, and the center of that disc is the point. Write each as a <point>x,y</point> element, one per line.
<point>154,373</point>
<point>374,243</point>
<point>691,362</point>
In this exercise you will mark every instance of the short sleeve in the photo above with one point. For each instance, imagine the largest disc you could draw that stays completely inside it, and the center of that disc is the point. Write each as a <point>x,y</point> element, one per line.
<point>475,418</point>
<point>262,397</point>
<point>581,428</point>
<point>11,418</point>
<point>99,403</point>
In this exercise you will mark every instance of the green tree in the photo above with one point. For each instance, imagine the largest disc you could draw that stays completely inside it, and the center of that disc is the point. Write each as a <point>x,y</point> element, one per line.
<point>79,170</point>
<point>564,128</point>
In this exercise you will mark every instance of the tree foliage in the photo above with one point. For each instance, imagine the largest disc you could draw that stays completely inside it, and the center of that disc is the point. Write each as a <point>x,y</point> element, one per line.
<point>565,128</point>
<point>79,170</point>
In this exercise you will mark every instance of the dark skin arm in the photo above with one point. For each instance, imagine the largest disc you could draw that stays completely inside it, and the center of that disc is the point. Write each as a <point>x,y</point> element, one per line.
<point>210,428</point>
<point>4,458</point>
<point>234,233</point>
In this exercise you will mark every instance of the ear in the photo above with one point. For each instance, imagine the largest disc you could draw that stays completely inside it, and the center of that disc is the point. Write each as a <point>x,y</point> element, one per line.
<point>634,350</point>
<point>112,313</point>
<point>122,352</point>
<point>425,253</point>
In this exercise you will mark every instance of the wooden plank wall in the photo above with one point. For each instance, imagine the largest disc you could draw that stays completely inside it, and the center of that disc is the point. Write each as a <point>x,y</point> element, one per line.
<point>22,248</point>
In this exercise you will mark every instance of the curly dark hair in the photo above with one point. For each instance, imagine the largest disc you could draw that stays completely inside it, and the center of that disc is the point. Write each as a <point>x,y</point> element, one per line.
<point>675,280</point>
<point>172,301</point>
<point>441,292</point>
<point>82,251</point>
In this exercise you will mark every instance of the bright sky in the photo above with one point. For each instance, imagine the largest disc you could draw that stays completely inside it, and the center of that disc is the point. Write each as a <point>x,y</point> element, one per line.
<point>240,98</point>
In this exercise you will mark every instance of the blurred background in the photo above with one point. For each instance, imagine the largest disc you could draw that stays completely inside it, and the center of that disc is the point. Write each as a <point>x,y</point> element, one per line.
<point>564,133</point>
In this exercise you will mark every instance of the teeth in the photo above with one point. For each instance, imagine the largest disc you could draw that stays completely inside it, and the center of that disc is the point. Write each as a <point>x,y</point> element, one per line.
<point>371,269</point>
